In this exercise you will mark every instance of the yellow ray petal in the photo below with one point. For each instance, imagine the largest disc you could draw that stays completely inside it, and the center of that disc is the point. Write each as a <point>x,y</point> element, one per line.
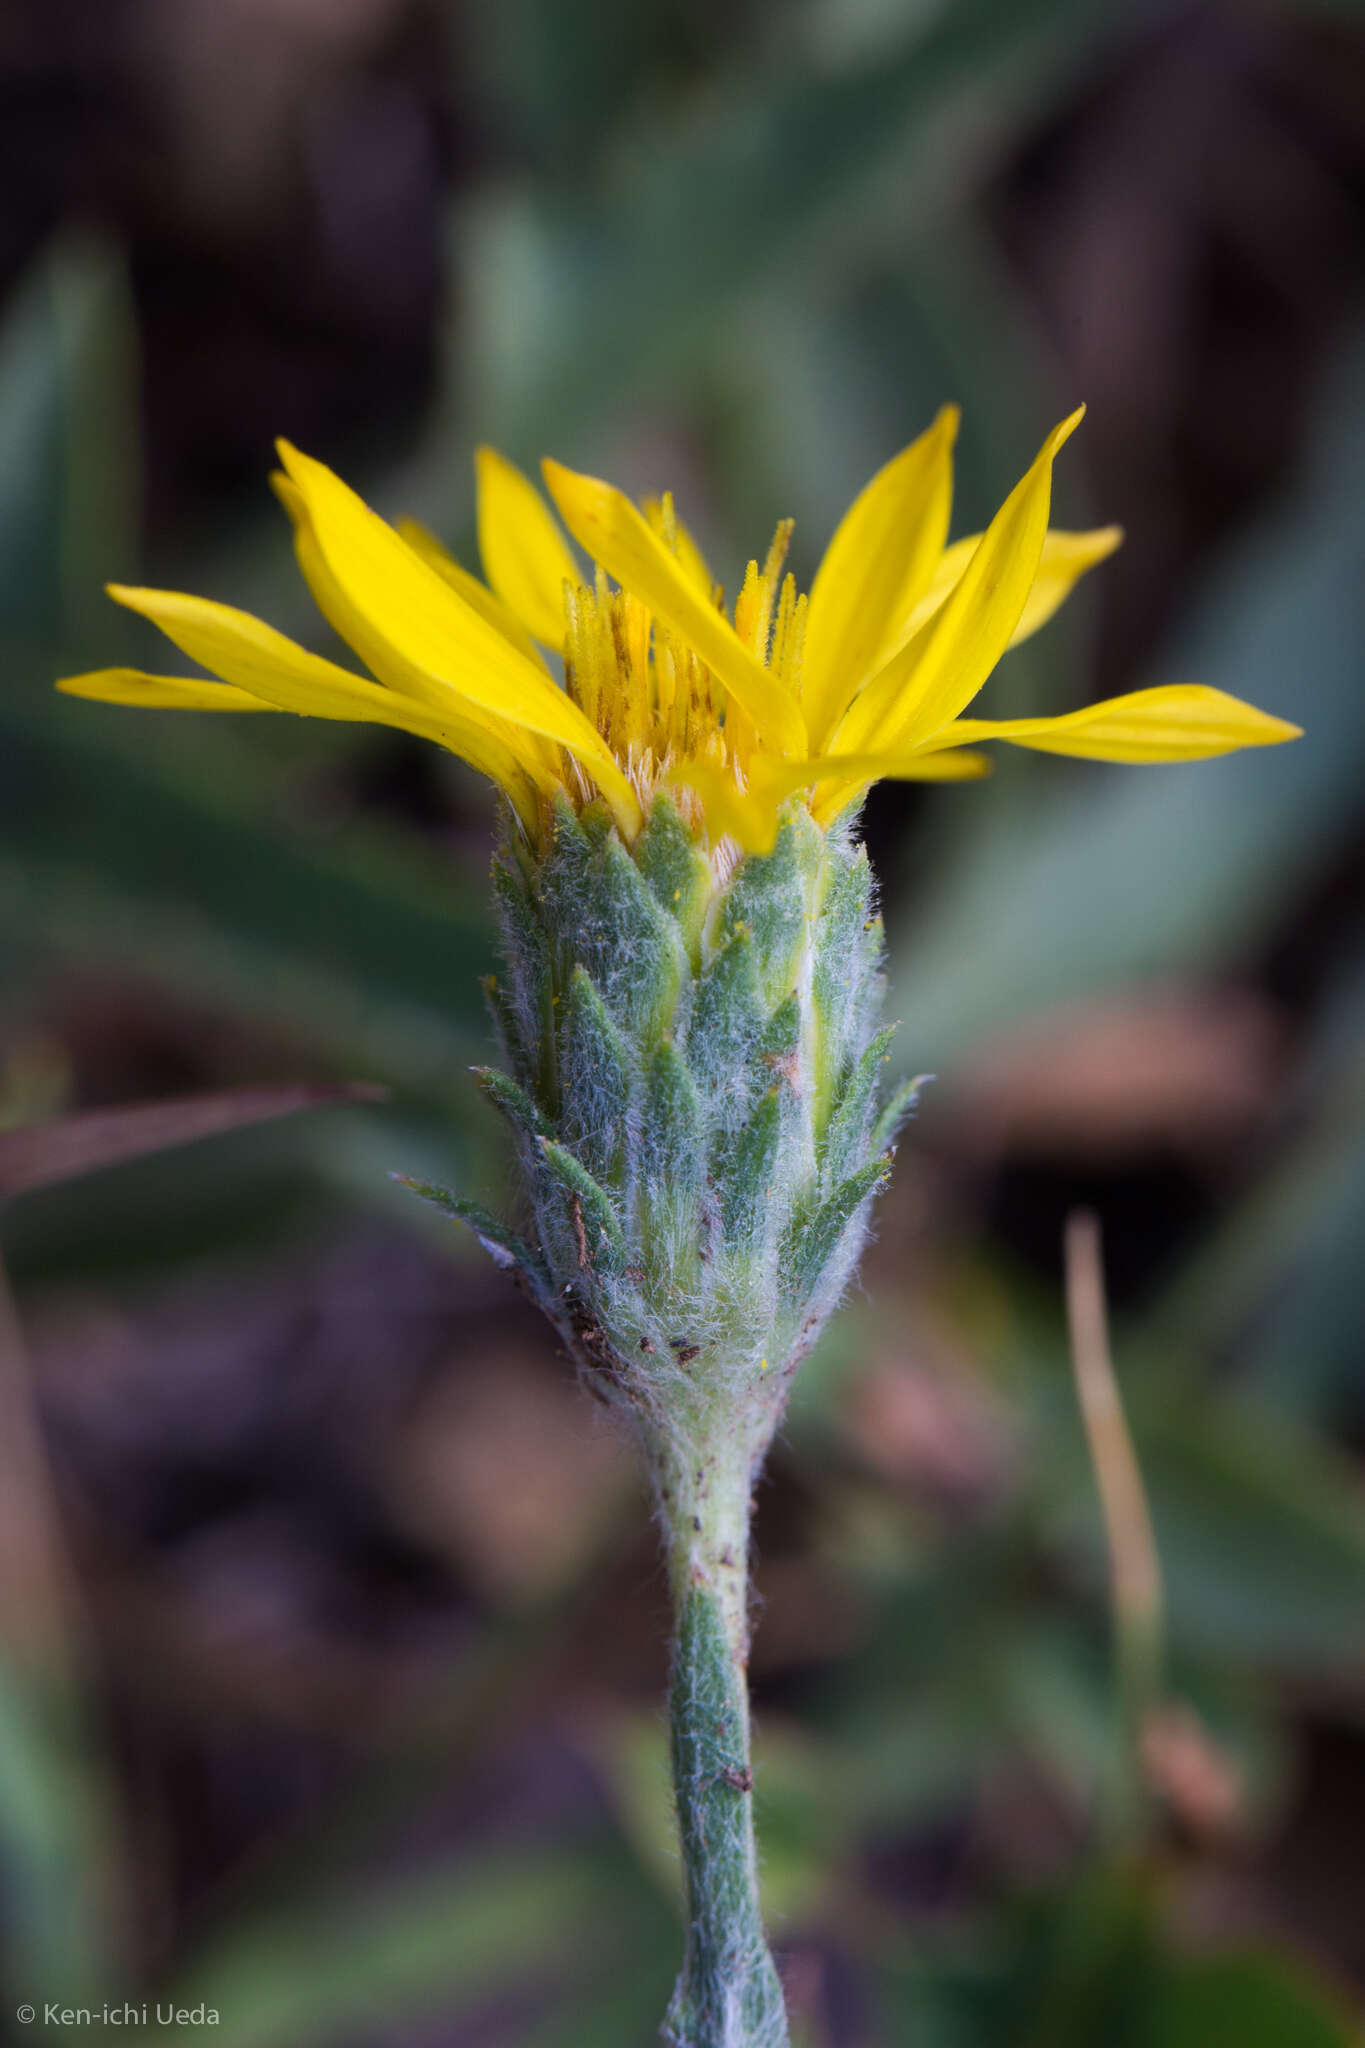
<point>245,651</point>
<point>845,777</point>
<point>603,520</point>
<point>955,766</point>
<point>192,693</point>
<point>747,815</point>
<point>424,543</point>
<point>160,693</point>
<point>480,736</point>
<point>525,556</point>
<point>750,815</point>
<point>875,569</point>
<point>943,666</point>
<point>428,625</point>
<point>1065,559</point>
<point>1178,722</point>
<point>255,658</point>
<point>352,626</point>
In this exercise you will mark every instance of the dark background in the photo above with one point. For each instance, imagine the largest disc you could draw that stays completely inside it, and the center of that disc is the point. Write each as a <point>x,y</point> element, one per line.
<point>335,1639</point>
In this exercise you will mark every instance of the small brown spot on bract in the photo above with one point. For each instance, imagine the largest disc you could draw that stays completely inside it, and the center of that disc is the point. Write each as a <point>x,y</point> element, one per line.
<point>739,1777</point>
<point>591,1343</point>
<point>785,1064</point>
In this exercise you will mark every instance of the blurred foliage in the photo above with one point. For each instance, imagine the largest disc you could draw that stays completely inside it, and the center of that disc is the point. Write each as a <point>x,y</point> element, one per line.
<point>758,252</point>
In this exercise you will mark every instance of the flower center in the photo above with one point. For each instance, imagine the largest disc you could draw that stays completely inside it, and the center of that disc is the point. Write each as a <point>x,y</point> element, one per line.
<point>655,703</point>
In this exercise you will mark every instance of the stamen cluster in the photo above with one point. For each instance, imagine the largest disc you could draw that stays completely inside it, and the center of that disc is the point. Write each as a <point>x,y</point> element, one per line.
<point>655,702</point>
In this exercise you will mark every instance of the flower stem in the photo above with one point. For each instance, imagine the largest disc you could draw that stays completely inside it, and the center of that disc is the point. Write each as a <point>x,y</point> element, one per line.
<point>729,1994</point>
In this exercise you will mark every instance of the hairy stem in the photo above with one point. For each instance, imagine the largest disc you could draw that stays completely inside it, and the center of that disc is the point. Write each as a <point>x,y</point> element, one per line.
<point>729,1994</point>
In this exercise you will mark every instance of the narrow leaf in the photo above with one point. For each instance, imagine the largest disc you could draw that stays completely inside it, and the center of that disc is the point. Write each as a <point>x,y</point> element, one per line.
<point>502,1244</point>
<point>899,1106</point>
<point>820,1239</point>
<point>510,1101</point>
<point>747,1173</point>
<point>595,1225</point>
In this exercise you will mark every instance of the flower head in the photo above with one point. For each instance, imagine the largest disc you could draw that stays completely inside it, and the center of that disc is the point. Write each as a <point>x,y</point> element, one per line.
<point>737,711</point>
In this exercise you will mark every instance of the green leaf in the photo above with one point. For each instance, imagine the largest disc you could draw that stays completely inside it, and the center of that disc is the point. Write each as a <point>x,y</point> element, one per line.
<point>1259,1527</point>
<point>1254,2001</point>
<point>110,854</point>
<point>68,459</point>
<point>432,1945</point>
<point>59,1847</point>
<point>590,291</point>
<point>1261,1535</point>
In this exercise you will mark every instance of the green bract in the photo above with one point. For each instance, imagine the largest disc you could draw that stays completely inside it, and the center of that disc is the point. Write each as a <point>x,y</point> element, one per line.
<point>692,1085</point>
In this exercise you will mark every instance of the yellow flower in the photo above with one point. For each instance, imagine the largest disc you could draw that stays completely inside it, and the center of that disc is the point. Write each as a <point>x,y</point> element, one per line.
<point>866,677</point>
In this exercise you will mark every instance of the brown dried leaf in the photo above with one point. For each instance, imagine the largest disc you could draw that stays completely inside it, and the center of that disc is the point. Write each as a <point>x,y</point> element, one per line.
<point>1182,1068</point>
<point>1198,1781</point>
<point>38,1155</point>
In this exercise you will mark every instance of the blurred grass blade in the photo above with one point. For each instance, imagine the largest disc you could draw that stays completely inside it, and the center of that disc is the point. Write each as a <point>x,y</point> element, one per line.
<point>1256,2001</point>
<point>1263,1537</point>
<point>1279,1279</point>
<point>1261,1528</point>
<point>1096,1963</point>
<point>58,1848</point>
<point>623,277</point>
<point>69,481</point>
<point>1134,1568</point>
<point>36,1598</point>
<point>40,1154</point>
<point>517,1924</point>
